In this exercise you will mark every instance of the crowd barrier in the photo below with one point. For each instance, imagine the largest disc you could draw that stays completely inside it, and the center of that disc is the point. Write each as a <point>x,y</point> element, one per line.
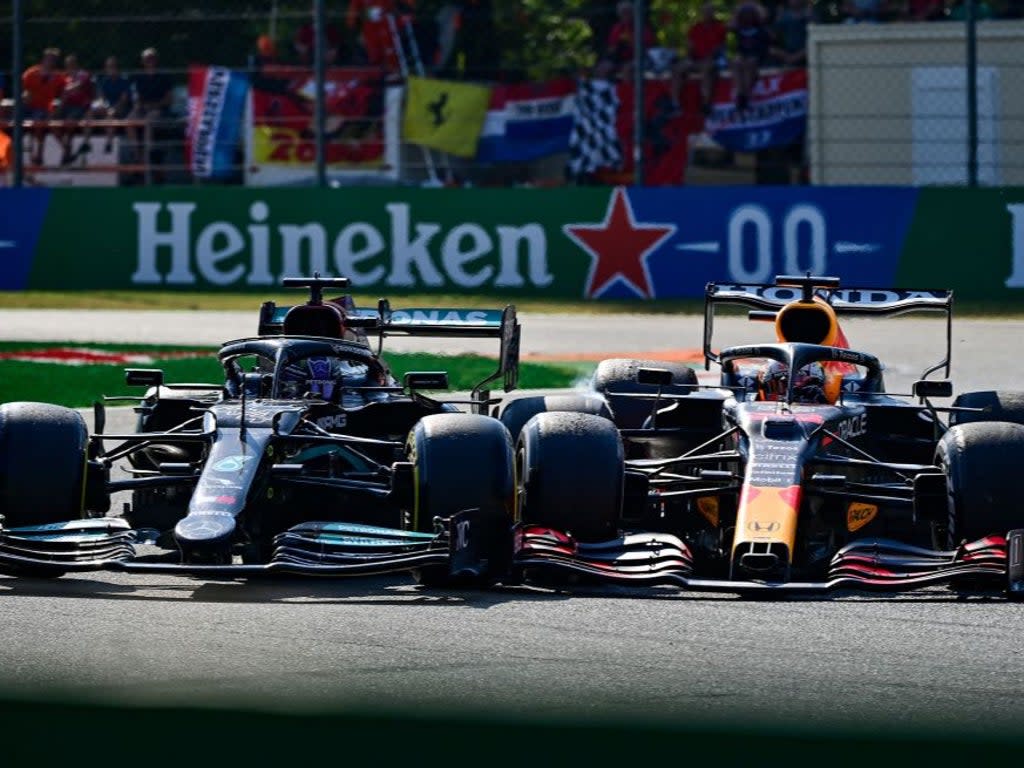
<point>595,243</point>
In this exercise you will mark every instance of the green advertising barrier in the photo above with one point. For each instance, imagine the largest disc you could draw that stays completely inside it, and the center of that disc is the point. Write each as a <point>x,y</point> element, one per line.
<point>568,243</point>
<point>970,240</point>
<point>243,239</point>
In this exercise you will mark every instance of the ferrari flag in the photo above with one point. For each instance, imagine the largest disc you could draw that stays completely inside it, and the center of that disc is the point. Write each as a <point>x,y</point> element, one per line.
<point>445,115</point>
<point>216,101</point>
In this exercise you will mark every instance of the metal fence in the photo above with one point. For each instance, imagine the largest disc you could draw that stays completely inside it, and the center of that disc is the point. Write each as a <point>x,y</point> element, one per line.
<point>890,100</point>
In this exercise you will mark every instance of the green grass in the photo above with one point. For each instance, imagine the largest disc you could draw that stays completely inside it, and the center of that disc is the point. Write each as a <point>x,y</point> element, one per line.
<point>79,386</point>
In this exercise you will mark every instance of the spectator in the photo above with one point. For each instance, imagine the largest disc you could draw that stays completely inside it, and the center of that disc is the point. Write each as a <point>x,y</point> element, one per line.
<point>706,50</point>
<point>41,85</point>
<point>790,34</point>
<point>376,24</point>
<point>114,102</point>
<point>304,44</point>
<point>750,30</point>
<point>266,53</point>
<point>621,40</point>
<point>152,92</point>
<point>75,102</point>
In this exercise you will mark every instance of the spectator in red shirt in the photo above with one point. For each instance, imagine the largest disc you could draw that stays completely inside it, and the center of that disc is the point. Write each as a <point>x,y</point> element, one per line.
<point>706,50</point>
<point>41,85</point>
<point>75,102</point>
<point>377,22</point>
<point>304,43</point>
<point>621,40</point>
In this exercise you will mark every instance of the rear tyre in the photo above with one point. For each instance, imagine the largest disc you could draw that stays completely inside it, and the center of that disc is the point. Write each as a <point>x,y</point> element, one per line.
<point>998,405</point>
<point>42,466</point>
<point>463,461</point>
<point>516,413</point>
<point>569,475</point>
<point>983,495</point>
<point>617,377</point>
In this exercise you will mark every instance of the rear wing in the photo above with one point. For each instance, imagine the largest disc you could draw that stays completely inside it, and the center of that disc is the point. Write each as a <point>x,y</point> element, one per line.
<point>437,322</point>
<point>765,299</point>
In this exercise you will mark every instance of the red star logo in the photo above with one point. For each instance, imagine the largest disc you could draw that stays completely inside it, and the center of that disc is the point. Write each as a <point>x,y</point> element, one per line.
<point>619,247</point>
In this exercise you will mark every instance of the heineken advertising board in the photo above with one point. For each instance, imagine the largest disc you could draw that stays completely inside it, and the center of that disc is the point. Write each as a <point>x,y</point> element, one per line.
<point>598,243</point>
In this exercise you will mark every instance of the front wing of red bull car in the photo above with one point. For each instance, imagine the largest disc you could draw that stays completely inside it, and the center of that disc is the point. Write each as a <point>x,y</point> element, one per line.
<point>347,474</point>
<point>725,487</point>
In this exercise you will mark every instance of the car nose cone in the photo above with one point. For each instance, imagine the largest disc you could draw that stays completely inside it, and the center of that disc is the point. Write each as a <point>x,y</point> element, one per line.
<point>202,530</point>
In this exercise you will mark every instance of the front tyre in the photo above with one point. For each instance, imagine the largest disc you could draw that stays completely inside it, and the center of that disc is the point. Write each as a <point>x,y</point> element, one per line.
<point>569,471</point>
<point>980,461</point>
<point>463,461</point>
<point>42,464</point>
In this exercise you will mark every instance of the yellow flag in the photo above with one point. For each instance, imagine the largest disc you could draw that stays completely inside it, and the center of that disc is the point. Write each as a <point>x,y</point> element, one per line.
<point>444,115</point>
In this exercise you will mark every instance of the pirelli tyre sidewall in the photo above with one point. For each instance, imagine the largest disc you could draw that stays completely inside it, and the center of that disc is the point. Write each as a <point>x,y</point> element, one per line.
<point>616,377</point>
<point>980,461</point>
<point>995,405</point>
<point>569,475</point>
<point>43,451</point>
<point>462,461</point>
<point>516,412</point>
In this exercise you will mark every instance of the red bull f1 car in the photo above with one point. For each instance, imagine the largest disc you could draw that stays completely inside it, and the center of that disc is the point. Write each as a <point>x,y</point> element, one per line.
<point>796,472</point>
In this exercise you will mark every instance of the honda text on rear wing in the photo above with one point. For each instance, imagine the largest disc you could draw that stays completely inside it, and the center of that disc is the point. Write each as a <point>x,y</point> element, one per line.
<point>805,308</point>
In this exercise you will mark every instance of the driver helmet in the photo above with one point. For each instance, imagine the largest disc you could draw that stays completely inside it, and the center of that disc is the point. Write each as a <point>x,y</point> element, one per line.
<point>322,377</point>
<point>808,383</point>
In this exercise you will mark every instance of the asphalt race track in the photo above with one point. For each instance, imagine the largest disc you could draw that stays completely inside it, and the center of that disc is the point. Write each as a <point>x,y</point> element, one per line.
<point>860,662</point>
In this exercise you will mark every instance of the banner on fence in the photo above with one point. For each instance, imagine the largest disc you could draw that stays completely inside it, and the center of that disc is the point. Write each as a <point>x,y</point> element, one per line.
<point>216,103</point>
<point>361,125</point>
<point>445,115</point>
<point>775,117</point>
<point>527,121</point>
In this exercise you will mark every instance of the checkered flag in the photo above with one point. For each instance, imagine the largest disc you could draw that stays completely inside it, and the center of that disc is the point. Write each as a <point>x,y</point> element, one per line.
<point>594,142</point>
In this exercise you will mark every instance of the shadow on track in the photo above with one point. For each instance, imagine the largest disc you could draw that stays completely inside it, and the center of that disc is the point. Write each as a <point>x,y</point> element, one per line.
<point>402,590</point>
<point>391,591</point>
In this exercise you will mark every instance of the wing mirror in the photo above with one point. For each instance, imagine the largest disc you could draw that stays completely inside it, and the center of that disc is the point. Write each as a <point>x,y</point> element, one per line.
<point>143,377</point>
<point>426,380</point>
<point>933,388</point>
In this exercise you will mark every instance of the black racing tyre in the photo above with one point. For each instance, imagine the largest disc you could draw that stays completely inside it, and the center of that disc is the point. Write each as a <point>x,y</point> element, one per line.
<point>617,376</point>
<point>983,490</point>
<point>569,475</point>
<point>42,464</point>
<point>515,413</point>
<point>463,461</point>
<point>998,405</point>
